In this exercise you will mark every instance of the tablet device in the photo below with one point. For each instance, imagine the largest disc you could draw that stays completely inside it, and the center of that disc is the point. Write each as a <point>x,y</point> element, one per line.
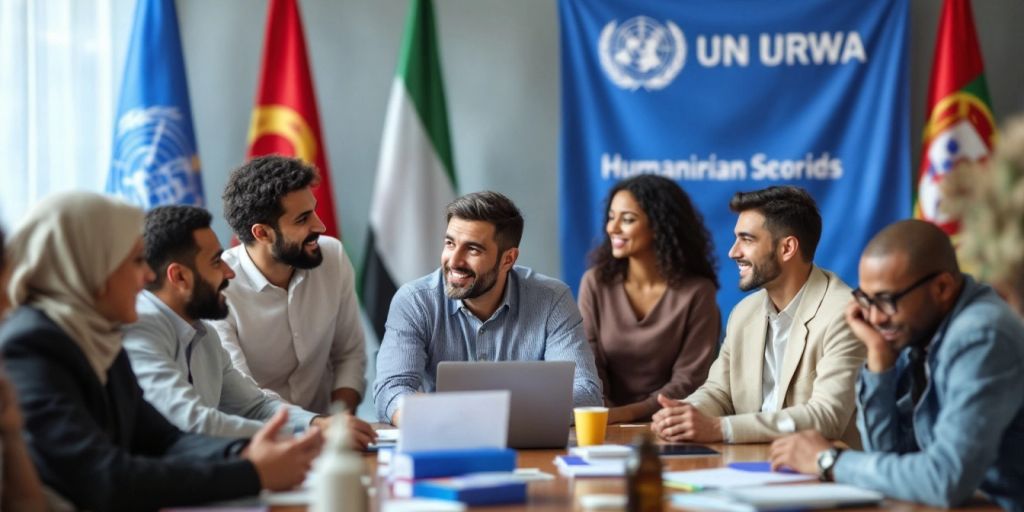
<point>685,450</point>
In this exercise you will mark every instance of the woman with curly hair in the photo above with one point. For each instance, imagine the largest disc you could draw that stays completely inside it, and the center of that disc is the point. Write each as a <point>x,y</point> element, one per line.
<point>648,302</point>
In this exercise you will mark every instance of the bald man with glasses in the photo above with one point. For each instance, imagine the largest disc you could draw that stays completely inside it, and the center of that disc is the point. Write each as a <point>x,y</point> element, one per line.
<point>940,401</point>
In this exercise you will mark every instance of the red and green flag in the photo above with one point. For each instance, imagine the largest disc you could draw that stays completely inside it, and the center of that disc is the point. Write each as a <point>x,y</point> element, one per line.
<point>285,120</point>
<point>959,126</point>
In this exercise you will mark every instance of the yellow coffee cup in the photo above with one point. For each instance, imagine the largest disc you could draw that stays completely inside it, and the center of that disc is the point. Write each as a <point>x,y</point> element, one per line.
<point>590,425</point>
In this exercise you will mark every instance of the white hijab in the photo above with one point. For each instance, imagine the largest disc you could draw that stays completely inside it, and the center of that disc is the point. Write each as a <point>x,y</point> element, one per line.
<point>60,258</point>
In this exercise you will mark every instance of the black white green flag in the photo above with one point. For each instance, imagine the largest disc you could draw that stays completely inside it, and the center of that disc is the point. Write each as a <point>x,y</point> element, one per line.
<point>415,175</point>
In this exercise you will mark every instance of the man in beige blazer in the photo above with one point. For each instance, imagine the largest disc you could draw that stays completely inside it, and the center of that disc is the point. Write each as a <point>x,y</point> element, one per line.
<point>789,361</point>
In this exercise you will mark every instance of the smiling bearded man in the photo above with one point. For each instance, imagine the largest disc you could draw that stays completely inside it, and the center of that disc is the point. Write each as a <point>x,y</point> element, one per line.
<point>480,298</point>
<point>789,361</point>
<point>294,325</point>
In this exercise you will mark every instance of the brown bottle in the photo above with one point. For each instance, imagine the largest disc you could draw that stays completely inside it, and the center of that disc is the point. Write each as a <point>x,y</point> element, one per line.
<point>644,479</point>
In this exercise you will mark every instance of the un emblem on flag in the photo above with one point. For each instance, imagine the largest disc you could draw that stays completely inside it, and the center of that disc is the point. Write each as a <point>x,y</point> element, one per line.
<point>154,159</point>
<point>642,53</point>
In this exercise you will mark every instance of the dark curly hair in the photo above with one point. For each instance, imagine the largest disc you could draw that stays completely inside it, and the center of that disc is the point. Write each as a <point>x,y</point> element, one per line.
<point>681,242</point>
<point>254,192</point>
<point>169,238</point>
<point>787,210</point>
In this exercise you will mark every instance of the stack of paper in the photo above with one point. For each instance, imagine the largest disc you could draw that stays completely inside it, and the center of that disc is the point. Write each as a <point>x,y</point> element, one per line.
<point>386,438</point>
<point>602,452</point>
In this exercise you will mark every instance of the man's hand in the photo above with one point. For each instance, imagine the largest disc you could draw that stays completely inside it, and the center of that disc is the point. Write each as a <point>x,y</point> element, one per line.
<point>321,422</point>
<point>798,452</point>
<point>881,355</point>
<point>282,465</point>
<point>347,396</point>
<point>395,417</point>
<point>680,421</point>
<point>362,433</point>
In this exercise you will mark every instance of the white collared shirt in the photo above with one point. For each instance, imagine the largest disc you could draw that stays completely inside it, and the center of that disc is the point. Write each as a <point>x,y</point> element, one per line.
<point>780,323</point>
<point>302,342</point>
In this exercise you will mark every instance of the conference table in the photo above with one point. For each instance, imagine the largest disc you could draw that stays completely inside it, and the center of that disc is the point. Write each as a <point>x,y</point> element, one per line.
<point>562,493</point>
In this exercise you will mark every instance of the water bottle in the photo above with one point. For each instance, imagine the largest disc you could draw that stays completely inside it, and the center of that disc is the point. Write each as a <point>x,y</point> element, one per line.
<point>337,481</point>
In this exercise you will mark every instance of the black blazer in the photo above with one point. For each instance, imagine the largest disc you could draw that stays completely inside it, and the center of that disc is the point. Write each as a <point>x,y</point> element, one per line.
<point>104,447</point>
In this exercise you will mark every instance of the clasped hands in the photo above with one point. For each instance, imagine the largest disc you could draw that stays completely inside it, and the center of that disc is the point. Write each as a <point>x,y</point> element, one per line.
<point>679,421</point>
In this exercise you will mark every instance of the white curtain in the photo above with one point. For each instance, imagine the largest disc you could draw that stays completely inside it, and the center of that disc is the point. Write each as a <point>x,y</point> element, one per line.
<point>57,100</point>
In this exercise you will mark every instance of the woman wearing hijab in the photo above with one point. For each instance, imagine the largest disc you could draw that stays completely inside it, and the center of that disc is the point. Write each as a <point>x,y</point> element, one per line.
<point>77,265</point>
<point>648,303</point>
<point>19,485</point>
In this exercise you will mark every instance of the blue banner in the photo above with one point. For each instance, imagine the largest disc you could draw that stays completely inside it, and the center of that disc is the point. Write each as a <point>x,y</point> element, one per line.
<point>154,161</point>
<point>736,95</point>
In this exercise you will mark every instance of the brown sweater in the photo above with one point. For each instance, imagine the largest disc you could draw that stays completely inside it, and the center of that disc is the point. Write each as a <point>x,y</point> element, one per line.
<point>669,351</point>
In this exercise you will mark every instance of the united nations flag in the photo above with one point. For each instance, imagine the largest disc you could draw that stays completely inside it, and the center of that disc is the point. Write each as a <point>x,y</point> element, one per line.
<point>154,161</point>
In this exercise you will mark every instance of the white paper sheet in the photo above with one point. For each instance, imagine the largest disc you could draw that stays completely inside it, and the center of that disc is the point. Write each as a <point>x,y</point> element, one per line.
<point>815,496</point>
<point>772,498</point>
<point>454,420</point>
<point>387,434</point>
<point>727,478</point>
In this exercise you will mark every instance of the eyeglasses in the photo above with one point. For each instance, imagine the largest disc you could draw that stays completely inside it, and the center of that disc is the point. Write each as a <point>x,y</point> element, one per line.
<point>886,302</point>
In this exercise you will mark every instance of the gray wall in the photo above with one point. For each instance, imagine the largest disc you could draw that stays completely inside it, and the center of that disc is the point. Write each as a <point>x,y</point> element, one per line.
<point>501,75</point>
<point>501,72</point>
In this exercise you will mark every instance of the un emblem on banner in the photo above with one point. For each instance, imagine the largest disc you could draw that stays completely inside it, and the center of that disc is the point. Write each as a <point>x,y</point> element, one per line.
<point>154,160</point>
<point>642,53</point>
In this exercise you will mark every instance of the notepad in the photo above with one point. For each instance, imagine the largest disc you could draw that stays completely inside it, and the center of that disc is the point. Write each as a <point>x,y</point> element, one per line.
<point>572,465</point>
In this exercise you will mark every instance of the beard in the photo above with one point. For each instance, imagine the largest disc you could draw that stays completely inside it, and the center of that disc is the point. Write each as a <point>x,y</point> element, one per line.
<point>479,286</point>
<point>205,303</point>
<point>760,274</point>
<point>294,254</point>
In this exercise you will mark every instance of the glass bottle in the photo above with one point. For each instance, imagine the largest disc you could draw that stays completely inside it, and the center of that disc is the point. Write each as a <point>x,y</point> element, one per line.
<point>644,480</point>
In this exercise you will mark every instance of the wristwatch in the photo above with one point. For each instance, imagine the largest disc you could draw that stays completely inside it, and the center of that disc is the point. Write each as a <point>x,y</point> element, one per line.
<point>826,461</point>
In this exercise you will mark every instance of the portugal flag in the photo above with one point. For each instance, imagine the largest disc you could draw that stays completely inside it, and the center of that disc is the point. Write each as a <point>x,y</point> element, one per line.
<point>415,173</point>
<point>285,119</point>
<point>960,124</point>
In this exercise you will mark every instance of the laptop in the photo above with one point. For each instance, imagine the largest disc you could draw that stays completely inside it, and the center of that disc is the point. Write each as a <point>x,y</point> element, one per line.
<point>540,411</point>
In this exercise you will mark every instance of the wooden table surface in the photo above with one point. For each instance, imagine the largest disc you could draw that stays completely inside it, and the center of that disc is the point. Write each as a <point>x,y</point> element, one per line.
<point>562,493</point>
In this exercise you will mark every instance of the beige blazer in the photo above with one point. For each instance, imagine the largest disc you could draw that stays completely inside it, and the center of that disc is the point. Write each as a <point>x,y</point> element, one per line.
<point>819,369</point>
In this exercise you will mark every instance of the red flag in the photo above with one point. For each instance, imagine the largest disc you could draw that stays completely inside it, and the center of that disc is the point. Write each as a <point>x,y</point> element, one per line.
<point>285,119</point>
<point>960,125</point>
